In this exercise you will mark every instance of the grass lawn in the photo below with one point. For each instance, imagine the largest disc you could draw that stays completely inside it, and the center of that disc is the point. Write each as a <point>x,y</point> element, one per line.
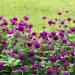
<point>36,8</point>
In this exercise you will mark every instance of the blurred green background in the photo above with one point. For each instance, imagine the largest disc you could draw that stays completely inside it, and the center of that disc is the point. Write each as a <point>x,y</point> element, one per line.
<point>35,9</point>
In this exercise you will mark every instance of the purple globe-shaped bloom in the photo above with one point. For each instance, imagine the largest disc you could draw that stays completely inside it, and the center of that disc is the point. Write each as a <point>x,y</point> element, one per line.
<point>5,23</point>
<point>21,56</point>
<point>26,18</point>
<point>64,40</point>
<point>63,59</point>
<point>30,26</point>
<point>3,41</point>
<point>61,32</point>
<point>69,19</point>
<point>62,22</point>
<point>43,17</point>
<point>63,52</point>
<point>72,29</point>
<point>36,65</point>
<point>43,34</point>
<point>33,33</point>
<point>1,64</point>
<point>36,44</point>
<point>55,37</point>
<point>66,73</point>
<point>53,33</point>
<point>50,22</point>
<point>29,43</point>
<point>31,53</point>
<point>23,68</point>
<point>1,17</point>
<point>73,52</point>
<point>21,28</point>
<point>15,18</point>
<point>49,71</point>
<point>53,58</point>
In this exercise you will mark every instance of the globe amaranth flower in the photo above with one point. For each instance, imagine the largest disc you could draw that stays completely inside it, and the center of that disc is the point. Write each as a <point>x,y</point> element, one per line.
<point>53,58</point>
<point>30,26</point>
<point>63,59</point>
<point>21,56</point>
<point>29,43</point>
<point>55,37</point>
<point>15,18</point>
<point>62,22</point>
<point>3,41</point>
<point>61,32</point>
<point>43,34</point>
<point>64,40</point>
<point>53,33</point>
<point>73,52</point>
<point>63,52</point>
<point>5,22</point>
<point>34,72</point>
<point>36,44</point>
<point>66,73</point>
<point>36,65</point>
<point>21,28</point>
<point>31,53</point>
<point>49,71</point>
<point>43,17</point>
<point>50,22</point>
<point>33,33</point>
<point>26,18</point>
<point>69,19</point>
<point>1,64</point>
<point>1,17</point>
<point>23,68</point>
<point>72,29</point>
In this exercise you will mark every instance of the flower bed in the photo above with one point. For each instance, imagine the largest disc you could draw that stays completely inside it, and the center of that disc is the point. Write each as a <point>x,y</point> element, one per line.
<point>25,52</point>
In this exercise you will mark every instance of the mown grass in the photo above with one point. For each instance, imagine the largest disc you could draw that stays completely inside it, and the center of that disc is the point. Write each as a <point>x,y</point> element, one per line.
<point>35,9</point>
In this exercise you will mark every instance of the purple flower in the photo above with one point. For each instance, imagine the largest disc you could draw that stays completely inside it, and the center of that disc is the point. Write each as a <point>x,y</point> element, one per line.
<point>21,28</point>
<point>64,40</point>
<point>73,21</point>
<point>62,22</point>
<point>73,52</point>
<point>30,26</point>
<point>1,64</point>
<point>21,56</point>
<point>53,58</point>
<point>63,52</point>
<point>5,23</point>
<point>63,59</point>
<point>61,32</point>
<point>15,19</point>
<point>53,33</point>
<point>26,18</point>
<point>49,71</point>
<point>31,53</point>
<point>23,68</point>
<point>43,34</point>
<point>33,33</point>
<point>72,29</point>
<point>29,43</point>
<point>36,65</point>
<point>55,37</point>
<point>43,17</point>
<point>1,17</point>
<point>66,73</point>
<point>3,41</point>
<point>69,19</point>
<point>50,22</point>
<point>36,44</point>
